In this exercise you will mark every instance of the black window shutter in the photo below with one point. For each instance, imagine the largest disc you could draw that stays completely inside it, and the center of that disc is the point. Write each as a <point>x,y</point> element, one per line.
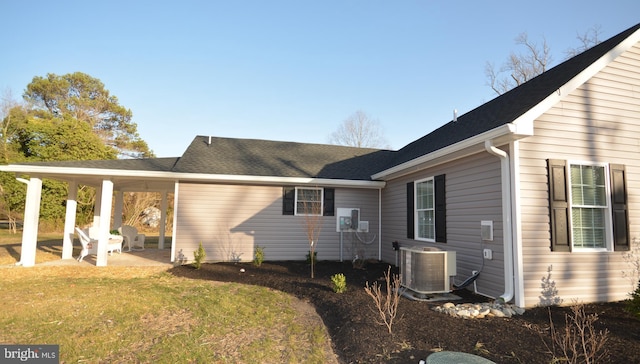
<point>558,205</point>
<point>619,207</point>
<point>329,202</point>
<point>410,212</point>
<point>441,208</point>
<point>288,200</point>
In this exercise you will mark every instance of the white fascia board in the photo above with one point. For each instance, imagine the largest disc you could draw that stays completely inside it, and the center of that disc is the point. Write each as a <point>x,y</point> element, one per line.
<point>526,120</point>
<point>503,130</point>
<point>270,180</point>
<point>186,177</point>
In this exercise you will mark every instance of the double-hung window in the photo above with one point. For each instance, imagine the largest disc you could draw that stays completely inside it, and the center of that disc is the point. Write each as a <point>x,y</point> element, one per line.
<point>309,201</point>
<point>425,210</point>
<point>589,206</point>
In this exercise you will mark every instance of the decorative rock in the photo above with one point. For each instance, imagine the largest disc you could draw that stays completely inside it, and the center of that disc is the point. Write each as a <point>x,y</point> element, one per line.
<point>479,310</point>
<point>448,305</point>
<point>497,313</point>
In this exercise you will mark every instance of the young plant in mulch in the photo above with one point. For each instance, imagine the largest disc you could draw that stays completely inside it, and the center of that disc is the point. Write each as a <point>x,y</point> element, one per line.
<point>633,305</point>
<point>386,302</point>
<point>258,256</point>
<point>577,341</point>
<point>198,256</point>
<point>339,283</point>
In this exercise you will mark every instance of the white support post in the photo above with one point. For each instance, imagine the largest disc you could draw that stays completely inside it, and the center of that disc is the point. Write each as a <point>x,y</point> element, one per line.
<point>117,210</point>
<point>97,207</point>
<point>70,221</point>
<point>30,224</point>
<point>163,219</point>
<point>105,202</point>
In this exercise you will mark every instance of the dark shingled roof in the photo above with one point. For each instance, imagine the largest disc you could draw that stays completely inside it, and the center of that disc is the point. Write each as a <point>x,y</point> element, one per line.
<point>283,159</point>
<point>149,164</point>
<point>510,105</point>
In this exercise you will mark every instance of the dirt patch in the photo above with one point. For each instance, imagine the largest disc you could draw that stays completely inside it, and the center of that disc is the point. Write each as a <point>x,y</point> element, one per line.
<point>418,330</point>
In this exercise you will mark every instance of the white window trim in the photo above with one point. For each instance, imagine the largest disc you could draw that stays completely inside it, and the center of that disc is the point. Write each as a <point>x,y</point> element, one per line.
<point>295,203</point>
<point>607,216</point>
<point>416,215</point>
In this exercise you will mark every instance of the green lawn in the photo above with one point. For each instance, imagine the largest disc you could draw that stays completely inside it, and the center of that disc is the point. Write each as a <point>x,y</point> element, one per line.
<point>146,315</point>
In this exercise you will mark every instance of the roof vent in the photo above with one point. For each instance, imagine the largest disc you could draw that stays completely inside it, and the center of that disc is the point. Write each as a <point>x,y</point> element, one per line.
<point>209,140</point>
<point>455,115</point>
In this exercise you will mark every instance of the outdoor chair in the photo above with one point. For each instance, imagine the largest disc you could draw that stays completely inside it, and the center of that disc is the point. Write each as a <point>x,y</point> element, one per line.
<point>89,246</point>
<point>114,243</point>
<point>132,239</point>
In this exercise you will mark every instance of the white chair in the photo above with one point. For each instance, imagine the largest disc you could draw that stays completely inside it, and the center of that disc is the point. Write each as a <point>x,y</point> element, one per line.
<point>89,246</point>
<point>132,239</point>
<point>114,243</point>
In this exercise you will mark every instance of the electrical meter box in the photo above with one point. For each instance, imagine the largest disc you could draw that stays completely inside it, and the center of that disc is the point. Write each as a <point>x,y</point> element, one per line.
<point>348,219</point>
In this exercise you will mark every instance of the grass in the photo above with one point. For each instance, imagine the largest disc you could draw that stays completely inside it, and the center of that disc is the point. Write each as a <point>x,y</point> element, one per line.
<point>145,315</point>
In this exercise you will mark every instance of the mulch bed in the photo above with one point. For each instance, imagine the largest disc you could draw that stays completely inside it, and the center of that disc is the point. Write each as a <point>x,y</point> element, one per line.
<point>418,330</point>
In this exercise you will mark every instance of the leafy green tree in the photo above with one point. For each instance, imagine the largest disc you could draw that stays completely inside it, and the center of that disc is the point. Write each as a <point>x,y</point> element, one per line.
<point>60,139</point>
<point>52,139</point>
<point>84,98</point>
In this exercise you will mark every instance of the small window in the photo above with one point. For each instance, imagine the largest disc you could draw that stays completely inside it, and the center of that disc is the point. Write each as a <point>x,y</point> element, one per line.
<point>309,201</point>
<point>425,210</point>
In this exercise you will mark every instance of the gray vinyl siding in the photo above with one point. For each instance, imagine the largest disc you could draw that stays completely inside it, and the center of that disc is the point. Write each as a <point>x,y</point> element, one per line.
<point>232,220</point>
<point>598,122</point>
<point>473,194</point>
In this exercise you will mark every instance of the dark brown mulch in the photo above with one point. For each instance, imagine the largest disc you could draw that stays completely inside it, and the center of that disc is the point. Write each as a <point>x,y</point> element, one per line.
<point>419,330</point>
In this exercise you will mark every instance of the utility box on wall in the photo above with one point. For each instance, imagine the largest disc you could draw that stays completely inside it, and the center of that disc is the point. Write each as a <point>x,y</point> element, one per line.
<point>486,230</point>
<point>348,219</point>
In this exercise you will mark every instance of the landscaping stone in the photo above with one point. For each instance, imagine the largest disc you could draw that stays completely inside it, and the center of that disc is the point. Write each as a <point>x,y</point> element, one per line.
<point>479,310</point>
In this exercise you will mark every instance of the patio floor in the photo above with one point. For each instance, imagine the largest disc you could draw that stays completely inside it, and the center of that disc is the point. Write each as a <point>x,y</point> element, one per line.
<point>135,258</point>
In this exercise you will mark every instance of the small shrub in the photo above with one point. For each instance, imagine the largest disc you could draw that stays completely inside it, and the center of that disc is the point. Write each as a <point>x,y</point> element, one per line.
<point>339,283</point>
<point>578,341</point>
<point>549,293</point>
<point>198,256</point>
<point>315,257</point>
<point>258,257</point>
<point>386,302</point>
<point>633,305</point>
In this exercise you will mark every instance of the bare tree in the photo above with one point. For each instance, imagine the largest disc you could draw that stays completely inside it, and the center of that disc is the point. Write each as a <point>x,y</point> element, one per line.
<point>310,202</point>
<point>587,40</point>
<point>534,60</point>
<point>7,122</point>
<point>519,67</point>
<point>359,130</point>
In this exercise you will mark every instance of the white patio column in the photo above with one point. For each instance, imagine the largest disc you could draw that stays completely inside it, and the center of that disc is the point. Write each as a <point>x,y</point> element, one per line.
<point>30,224</point>
<point>70,221</point>
<point>105,202</point>
<point>117,210</point>
<point>163,219</point>
<point>97,207</point>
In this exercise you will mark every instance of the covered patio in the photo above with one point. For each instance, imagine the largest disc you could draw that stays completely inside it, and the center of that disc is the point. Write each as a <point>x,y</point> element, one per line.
<point>111,179</point>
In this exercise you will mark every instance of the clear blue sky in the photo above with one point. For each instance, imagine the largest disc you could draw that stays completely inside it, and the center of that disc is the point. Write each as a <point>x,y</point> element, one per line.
<point>287,70</point>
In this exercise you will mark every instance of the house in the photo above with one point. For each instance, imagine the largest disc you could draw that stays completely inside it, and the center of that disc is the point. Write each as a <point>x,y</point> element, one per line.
<point>551,168</point>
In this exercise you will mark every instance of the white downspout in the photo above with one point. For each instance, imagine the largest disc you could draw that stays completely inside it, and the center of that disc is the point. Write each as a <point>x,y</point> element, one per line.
<point>505,174</point>
<point>380,224</point>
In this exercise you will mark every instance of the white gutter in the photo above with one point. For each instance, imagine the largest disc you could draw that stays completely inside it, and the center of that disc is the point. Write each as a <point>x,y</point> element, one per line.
<point>446,152</point>
<point>380,224</point>
<point>506,219</point>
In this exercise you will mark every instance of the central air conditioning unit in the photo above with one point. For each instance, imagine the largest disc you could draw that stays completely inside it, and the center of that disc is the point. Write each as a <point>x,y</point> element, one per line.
<point>427,270</point>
